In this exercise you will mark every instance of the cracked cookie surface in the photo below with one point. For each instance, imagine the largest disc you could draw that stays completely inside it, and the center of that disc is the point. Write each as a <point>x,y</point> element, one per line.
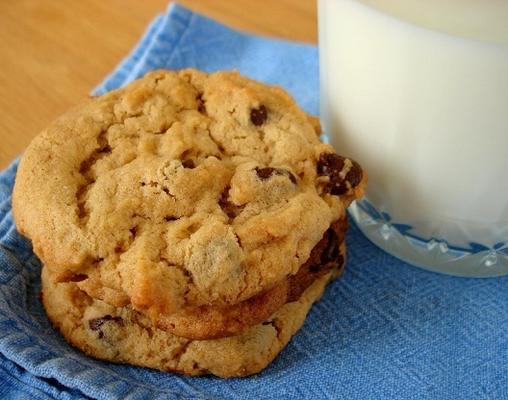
<point>183,189</point>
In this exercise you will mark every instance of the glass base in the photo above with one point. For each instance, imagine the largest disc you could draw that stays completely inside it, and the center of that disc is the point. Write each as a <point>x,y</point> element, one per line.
<point>434,255</point>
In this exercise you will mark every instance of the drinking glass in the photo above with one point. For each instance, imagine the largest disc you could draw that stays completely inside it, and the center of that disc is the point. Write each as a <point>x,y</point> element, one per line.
<point>418,95</point>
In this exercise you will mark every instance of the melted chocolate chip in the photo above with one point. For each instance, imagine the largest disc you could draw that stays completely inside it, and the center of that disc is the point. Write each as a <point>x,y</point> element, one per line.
<point>340,227</point>
<point>96,323</point>
<point>315,267</point>
<point>324,256</point>
<point>259,115</point>
<point>331,251</point>
<point>331,165</point>
<point>335,262</point>
<point>267,172</point>
<point>188,164</point>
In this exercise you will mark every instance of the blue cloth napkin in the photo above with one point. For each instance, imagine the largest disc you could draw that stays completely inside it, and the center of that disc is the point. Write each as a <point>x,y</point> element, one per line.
<point>386,330</point>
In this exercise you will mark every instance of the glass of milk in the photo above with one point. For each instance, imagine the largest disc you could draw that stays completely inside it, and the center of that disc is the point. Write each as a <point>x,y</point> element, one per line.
<point>417,92</point>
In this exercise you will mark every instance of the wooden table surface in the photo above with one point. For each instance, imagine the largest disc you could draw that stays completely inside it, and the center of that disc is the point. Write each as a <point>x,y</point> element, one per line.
<point>53,52</point>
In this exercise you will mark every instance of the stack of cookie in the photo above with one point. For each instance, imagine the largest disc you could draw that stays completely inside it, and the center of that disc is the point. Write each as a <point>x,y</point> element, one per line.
<point>186,222</point>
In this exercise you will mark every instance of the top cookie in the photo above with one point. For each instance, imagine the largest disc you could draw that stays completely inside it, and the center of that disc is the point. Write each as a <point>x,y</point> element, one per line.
<point>181,189</point>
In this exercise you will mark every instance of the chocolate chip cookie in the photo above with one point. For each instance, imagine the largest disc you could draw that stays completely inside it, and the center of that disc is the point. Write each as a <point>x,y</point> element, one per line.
<point>202,203</point>
<point>127,336</point>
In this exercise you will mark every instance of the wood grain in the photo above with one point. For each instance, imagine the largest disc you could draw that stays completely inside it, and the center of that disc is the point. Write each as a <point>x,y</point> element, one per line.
<point>53,52</point>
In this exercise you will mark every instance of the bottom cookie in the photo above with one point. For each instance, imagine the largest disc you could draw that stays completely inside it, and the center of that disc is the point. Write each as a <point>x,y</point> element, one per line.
<point>125,336</point>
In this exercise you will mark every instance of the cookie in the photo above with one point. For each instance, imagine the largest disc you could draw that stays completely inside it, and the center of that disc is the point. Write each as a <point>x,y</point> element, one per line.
<point>208,322</point>
<point>126,336</point>
<point>182,192</point>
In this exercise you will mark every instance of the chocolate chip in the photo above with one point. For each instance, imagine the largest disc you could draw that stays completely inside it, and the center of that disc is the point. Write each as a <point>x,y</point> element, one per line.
<point>78,277</point>
<point>292,178</point>
<point>337,188</point>
<point>331,251</point>
<point>229,208</point>
<point>354,176</point>
<point>324,257</point>
<point>267,172</point>
<point>315,267</point>
<point>96,323</point>
<point>188,164</point>
<point>335,263</point>
<point>331,165</point>
<point>340,227</point>
<point>259,115</point>
<point>326,254</point>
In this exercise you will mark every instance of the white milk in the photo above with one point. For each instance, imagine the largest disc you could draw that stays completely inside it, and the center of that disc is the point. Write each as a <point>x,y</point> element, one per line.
<point>418,94</point>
